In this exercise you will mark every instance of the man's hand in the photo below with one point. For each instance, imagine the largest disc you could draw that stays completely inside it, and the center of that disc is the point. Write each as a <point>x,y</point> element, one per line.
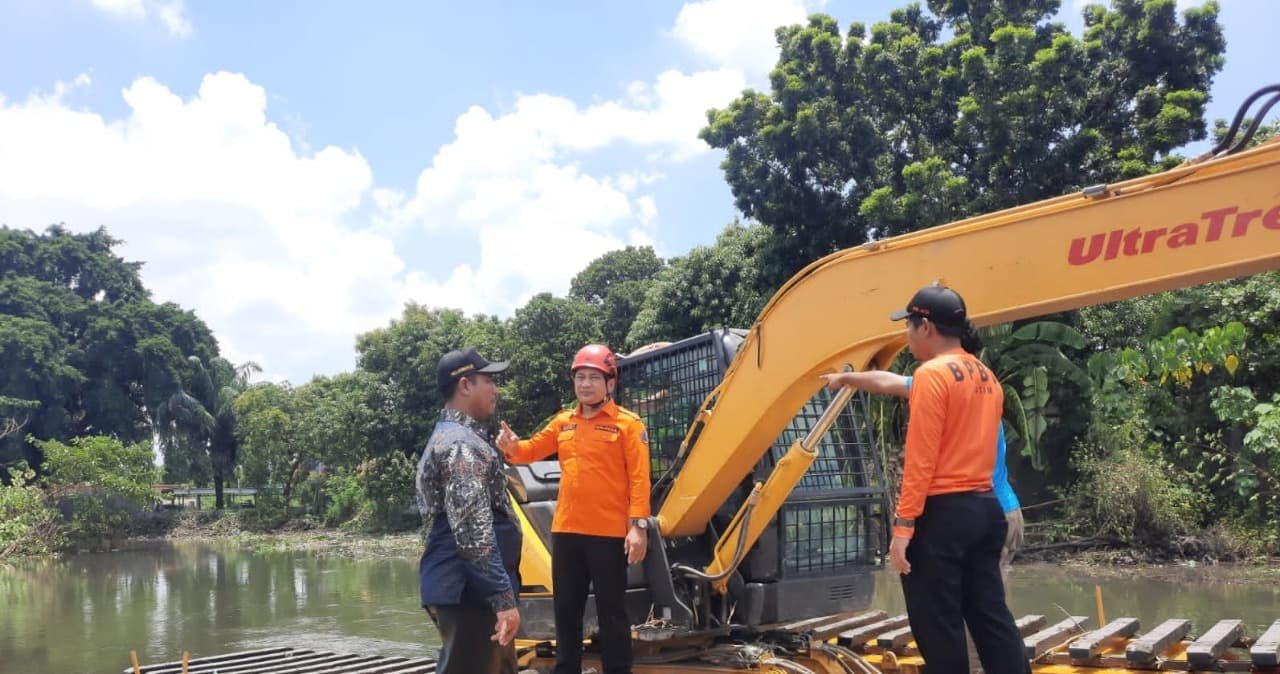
<point>504,631</point>
<point>834,380</point>
<point>508,441</point>
<point>898,554</point>
<point>636,544</point>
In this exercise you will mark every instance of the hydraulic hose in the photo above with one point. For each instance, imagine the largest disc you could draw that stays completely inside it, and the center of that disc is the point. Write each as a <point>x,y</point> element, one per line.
<point>689,571</point>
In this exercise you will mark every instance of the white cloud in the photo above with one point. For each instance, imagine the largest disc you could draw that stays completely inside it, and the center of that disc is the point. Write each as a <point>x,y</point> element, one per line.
<point>230,218</point>
<point>170,12</point>
<point>739,34</point>
<point>517,182</point>
<point>249,227</point>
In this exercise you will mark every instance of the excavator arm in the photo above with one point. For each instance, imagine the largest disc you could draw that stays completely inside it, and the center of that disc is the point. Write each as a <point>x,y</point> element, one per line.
<point>1205,221</point>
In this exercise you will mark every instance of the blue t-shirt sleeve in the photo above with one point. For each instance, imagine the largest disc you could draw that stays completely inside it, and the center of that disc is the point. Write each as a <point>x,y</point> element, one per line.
<point>1000,477</point>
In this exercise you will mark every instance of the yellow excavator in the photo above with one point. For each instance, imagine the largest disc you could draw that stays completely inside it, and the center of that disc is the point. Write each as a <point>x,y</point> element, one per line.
<point>769,494</point>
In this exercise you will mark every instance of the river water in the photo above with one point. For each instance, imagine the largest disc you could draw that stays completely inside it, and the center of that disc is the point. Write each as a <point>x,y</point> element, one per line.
<point>85,613</point>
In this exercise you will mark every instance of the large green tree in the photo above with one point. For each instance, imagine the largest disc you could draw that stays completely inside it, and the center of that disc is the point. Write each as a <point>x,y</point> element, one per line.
<point>403,356</point>
<point>85,349</point>
<point>968,107</point>
<point>716,286</point>
<point>616,283</point>
<point>545,334</point>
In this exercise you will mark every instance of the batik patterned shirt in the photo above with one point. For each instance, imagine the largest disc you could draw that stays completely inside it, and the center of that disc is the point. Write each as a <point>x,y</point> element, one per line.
<point>471,544</point>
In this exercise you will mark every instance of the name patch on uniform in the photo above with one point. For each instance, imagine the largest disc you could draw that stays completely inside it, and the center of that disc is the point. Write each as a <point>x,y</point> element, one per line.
<point>569,427</point>
<point>606,429</point>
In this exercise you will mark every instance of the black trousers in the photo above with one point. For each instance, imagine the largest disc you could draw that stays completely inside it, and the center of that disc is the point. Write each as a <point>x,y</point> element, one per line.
<point>465,646</point>
<point>599,561</point>
<point>955,581</point>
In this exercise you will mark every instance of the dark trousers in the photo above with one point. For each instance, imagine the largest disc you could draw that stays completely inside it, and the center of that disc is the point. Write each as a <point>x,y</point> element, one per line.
<point>576,561</point>
<point>465,646</point>
<point>955,581</point>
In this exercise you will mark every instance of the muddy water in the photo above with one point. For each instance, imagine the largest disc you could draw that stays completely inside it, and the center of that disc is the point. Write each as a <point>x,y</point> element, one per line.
<point>85,613</point>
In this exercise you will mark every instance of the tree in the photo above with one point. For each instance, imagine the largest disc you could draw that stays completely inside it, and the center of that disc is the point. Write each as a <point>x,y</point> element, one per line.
<point>616,283</point>
<point>201,413</point>
<point>266,428</point>
<point>403,356</point>
<point>924,119</point>
<point>715,286</point>
<point>545,334</point>
<point>84,346</point>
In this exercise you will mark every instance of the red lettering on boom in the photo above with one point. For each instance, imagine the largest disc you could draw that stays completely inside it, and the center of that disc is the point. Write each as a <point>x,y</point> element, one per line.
<point>1112,244</point>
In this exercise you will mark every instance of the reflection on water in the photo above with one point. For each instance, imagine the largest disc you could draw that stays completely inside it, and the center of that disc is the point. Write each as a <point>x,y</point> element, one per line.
<point>85,613</point>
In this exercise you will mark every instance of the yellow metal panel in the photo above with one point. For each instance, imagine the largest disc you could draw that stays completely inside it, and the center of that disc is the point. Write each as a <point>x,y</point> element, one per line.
<point>535,559</point>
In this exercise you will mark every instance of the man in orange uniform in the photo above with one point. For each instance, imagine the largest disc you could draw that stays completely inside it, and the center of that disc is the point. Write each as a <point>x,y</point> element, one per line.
<point>601,519</point>
<point>950,528</point>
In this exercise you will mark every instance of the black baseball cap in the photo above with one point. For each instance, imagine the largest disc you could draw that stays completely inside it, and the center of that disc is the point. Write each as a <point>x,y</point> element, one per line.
<point>461,362</point>
<point>936,303</point>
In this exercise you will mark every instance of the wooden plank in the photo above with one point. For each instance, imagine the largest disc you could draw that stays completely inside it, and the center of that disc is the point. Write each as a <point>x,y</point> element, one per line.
<point>1145,648</point>
<point>298,665</point>
<point>1030,624</point>
<point>246,663</point>
<point>1046,639</point>
<point>148,669</point>
<point>385,666</point>
<point>1118,663</point>
<point>831,629</point>
<point>1265,652</point>
<point>1205,650</point>
<point>858,637</point>
<point>895,638</point>
<point>1092,644</point>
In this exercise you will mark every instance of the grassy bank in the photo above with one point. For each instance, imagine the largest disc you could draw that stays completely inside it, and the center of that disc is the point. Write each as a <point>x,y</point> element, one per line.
<point>295,534</point>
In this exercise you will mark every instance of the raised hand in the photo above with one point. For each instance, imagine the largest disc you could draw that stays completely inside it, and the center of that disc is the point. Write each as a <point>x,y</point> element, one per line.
<point>508,441</point>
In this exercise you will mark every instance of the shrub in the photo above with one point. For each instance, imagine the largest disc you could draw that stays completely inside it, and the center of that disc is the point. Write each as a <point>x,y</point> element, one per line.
<point>28,524</point>
<point>1128,492</point>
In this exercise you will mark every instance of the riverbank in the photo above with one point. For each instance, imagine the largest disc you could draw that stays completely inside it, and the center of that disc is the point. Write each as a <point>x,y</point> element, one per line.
<point>295,535</point>
<point>303,535</point>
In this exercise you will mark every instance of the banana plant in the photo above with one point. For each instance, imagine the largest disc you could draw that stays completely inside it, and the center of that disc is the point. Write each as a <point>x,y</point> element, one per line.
<point>1026,360</point>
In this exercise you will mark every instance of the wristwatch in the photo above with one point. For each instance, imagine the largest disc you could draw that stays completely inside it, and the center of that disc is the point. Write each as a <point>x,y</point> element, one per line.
<point>640,522</point>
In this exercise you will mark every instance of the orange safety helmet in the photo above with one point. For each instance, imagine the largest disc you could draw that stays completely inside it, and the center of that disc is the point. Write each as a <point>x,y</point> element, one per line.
<point>596,357</point>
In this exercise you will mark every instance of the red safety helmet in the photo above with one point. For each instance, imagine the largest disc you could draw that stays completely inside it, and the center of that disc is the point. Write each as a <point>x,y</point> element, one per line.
<point>596,357</point>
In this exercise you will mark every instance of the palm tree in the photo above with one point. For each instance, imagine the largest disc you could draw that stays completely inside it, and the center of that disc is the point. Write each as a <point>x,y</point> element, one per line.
<point>202,411</point>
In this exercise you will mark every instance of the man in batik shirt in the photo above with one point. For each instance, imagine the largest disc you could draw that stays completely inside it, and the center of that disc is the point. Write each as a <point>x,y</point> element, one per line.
<point>469,572</point>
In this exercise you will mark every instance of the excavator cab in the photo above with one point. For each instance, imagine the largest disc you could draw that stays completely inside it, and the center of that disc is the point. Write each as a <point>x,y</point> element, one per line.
<point>817,556</point>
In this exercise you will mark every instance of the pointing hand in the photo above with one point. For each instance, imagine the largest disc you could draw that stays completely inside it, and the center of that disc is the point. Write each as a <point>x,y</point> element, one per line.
<point>508,441</point>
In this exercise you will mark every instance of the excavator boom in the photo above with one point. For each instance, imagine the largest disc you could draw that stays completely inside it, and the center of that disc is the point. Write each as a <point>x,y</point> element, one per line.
<point>1202,222</point>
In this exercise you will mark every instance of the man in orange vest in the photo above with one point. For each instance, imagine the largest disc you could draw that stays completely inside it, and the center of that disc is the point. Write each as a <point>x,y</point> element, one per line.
<point>602,511</point>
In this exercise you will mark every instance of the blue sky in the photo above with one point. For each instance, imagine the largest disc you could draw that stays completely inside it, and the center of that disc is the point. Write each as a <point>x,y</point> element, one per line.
<point>296,171</point>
